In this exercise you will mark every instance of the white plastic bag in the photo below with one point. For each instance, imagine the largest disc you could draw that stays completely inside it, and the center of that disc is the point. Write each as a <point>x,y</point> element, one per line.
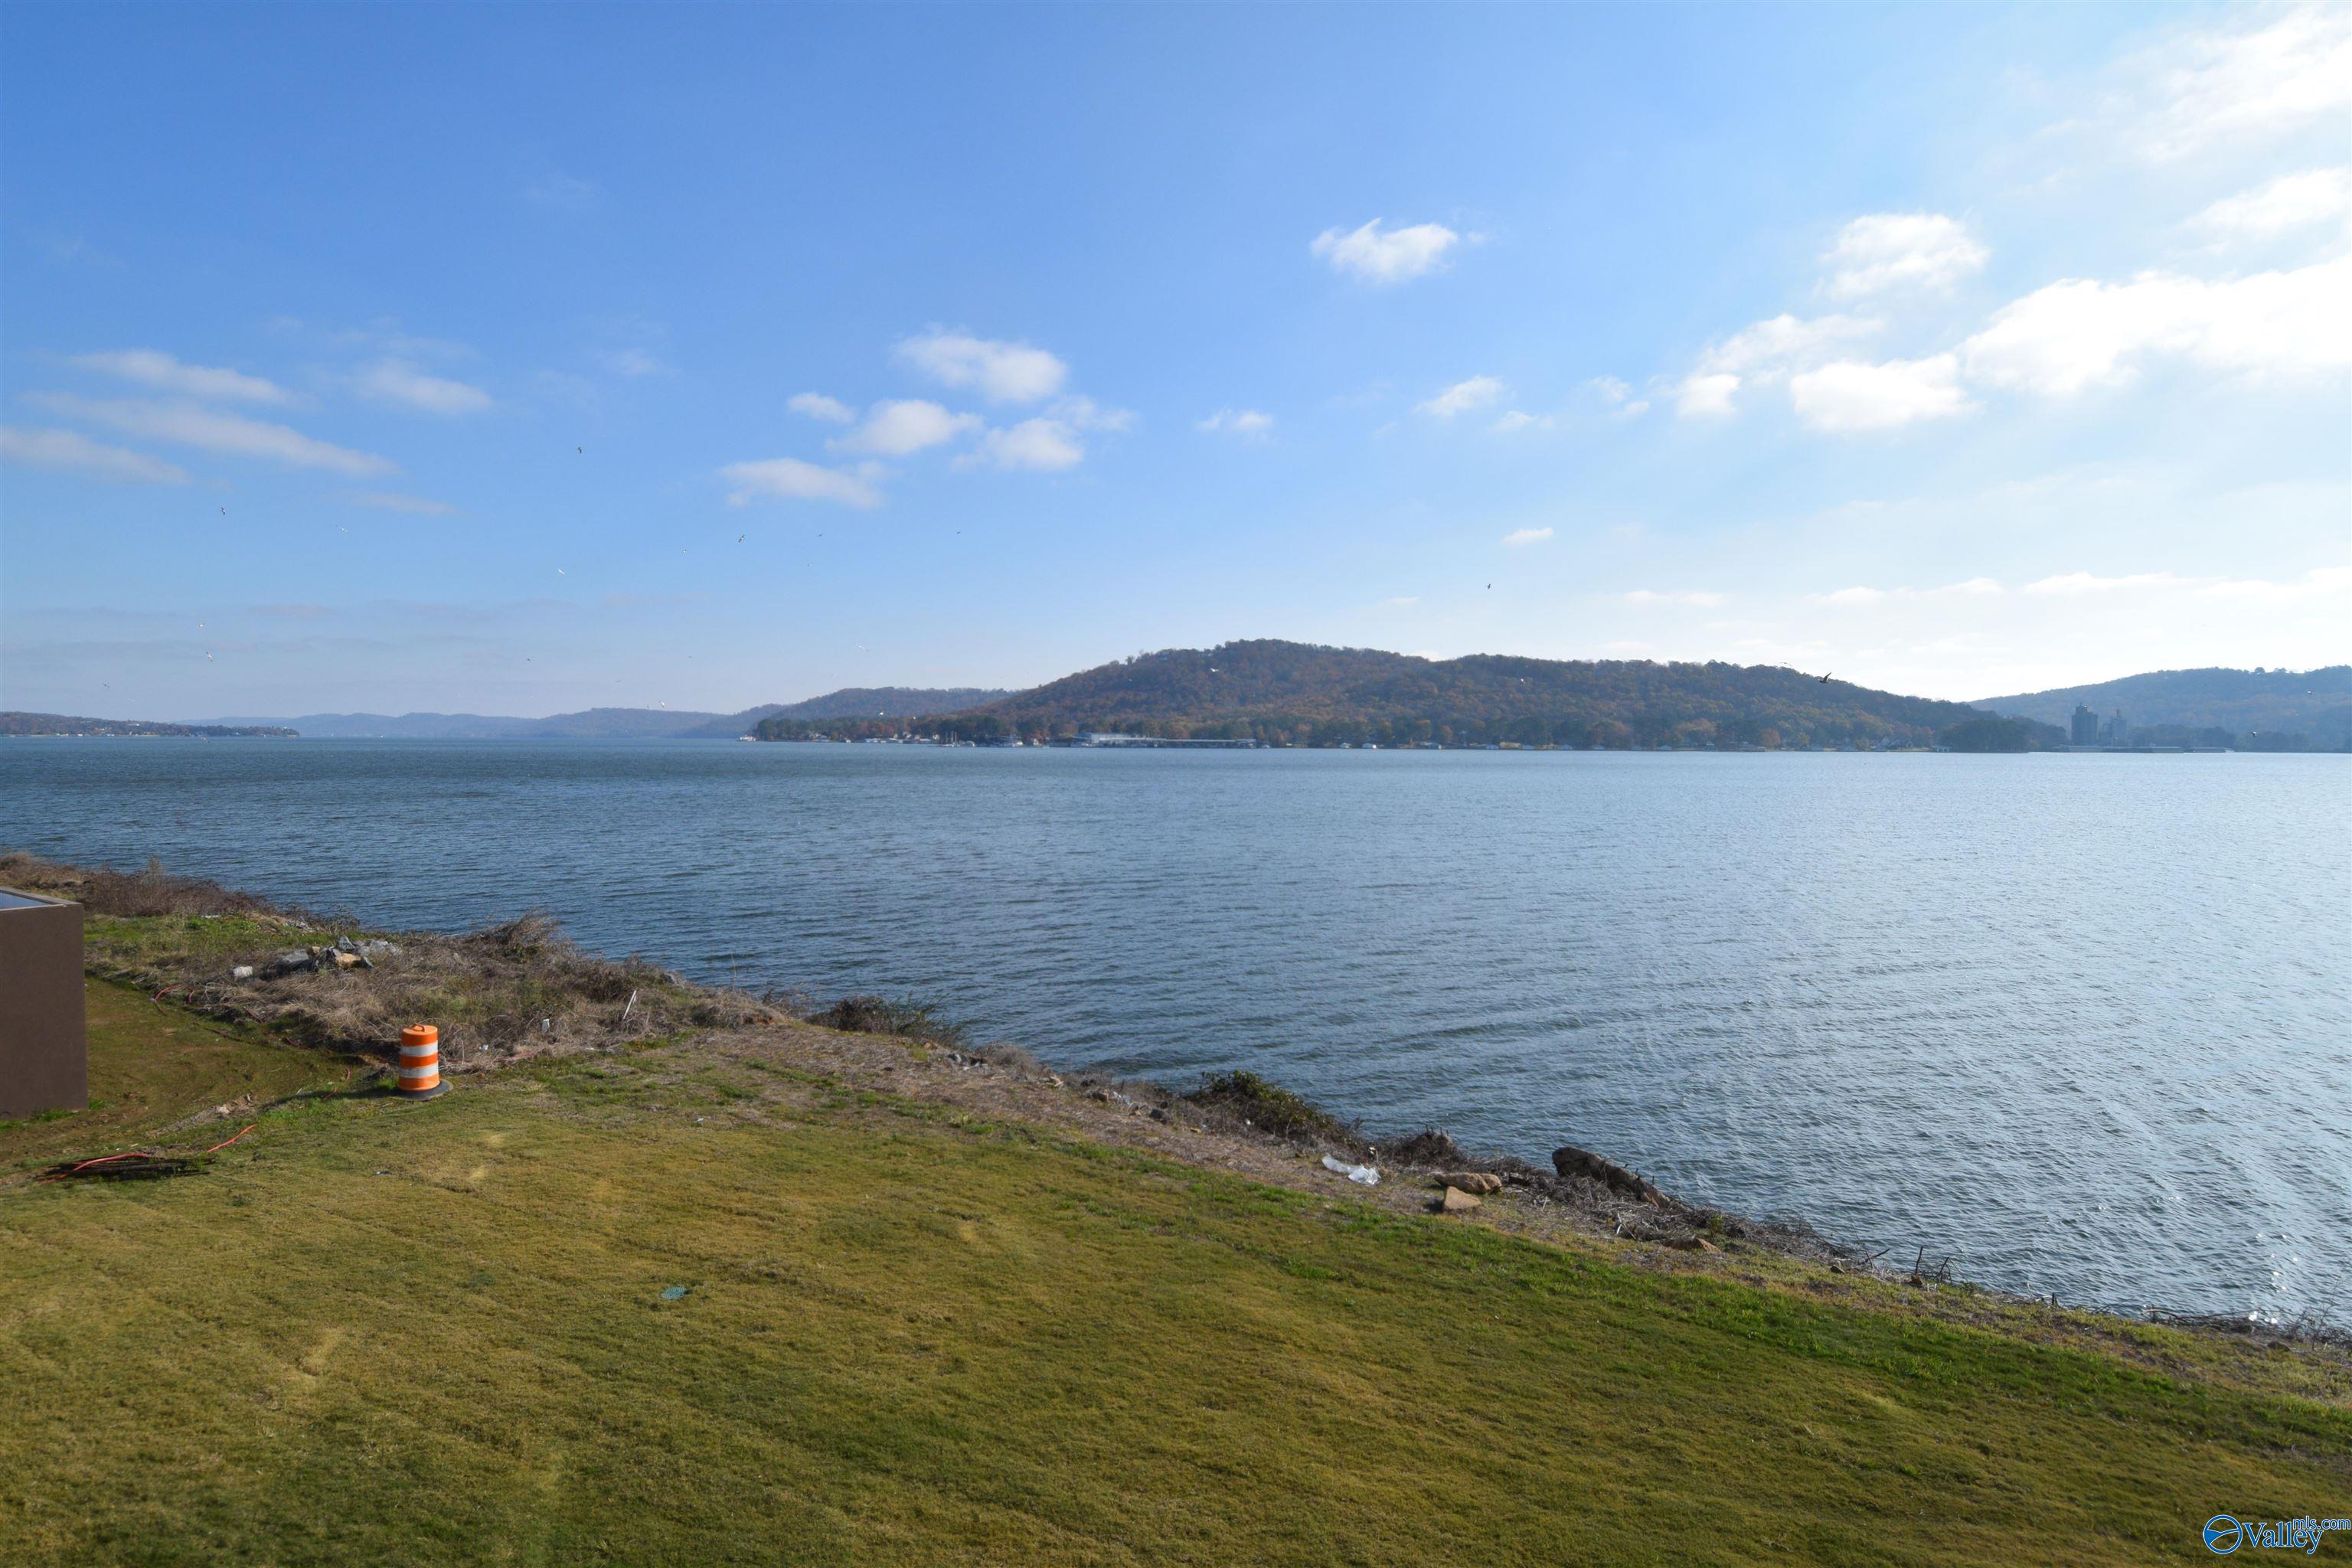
<point>1364,1173</point>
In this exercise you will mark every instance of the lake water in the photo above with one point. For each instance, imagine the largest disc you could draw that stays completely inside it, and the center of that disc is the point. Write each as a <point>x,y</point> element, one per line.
<point>2083,1022</point>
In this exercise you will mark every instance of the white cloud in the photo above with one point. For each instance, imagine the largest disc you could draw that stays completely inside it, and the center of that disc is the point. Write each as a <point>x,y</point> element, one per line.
<point>1619,395</point>
<point>1518,536</point>
<point>1247,424</point>
<point>212,431</point>
<point>397,381</point>
<point>1901,251</point>
<point>893,429</point>
<point>2322,582</point>
<point>1402,601</point>
<point>629,362</point>
<point>1974,587</point>
<point>1002,372</point>
<point>67,452</point>
<point>817,406</point>
<point>1478,392</point>
<point>1706,394</point>
<point>1082,413</point>
<point>1763,353</point>
<point>2249,84</point>
<point>151,367</point>
<point>789,478</point>
<point>1849,395</point>
<point>2286,205</point>
<point>1784,342</point>
<point>386,500</point>
<point>1517,419</point>
<point>2072,584</point>
<point>2079,333</point>
<point>1046,446</point>
<point>1373,256</point>
<point>1694,597</point>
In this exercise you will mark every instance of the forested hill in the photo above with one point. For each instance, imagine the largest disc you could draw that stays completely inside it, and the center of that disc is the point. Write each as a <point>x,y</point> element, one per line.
<point>1306,695</point>
<point>2248,703</point>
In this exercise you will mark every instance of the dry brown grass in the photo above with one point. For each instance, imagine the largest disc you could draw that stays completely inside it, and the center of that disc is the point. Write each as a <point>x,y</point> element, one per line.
<point>150,892</point>
<point>512,990</point>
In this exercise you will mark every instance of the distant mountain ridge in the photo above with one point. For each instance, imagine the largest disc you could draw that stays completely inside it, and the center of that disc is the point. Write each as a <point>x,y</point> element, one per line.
<point>1300,694</point>
<point>627,724</point>
<point>2315,703</point>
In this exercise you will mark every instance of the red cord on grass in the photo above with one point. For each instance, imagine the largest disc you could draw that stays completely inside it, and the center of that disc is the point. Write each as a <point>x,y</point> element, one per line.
<point>109,1159</point>
<point>226,1142</point>
<point>150,1154</point>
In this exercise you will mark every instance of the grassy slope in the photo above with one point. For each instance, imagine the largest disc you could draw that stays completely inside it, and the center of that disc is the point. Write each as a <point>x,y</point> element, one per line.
<point>150,1064</point>
<point>911,1337</point>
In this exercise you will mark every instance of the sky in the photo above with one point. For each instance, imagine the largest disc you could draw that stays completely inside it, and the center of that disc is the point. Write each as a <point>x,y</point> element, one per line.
<point>518,359</point>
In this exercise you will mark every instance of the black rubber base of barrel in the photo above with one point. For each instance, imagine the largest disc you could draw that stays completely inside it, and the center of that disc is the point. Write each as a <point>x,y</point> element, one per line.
<point>439,1089</point>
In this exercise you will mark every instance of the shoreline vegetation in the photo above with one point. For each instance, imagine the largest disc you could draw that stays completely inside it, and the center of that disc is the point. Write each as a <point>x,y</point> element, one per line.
<point>693,1274</point>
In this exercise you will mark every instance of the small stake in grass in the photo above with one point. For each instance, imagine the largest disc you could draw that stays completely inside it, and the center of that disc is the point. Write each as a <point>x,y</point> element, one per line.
<point>420,1062</point>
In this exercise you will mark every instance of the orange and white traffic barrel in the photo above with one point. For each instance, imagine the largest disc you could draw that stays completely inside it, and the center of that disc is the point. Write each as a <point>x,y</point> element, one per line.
<point>420,1062</point>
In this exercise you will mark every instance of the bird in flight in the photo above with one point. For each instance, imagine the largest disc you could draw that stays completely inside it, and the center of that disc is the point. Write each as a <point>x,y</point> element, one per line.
<point>1826,679</point>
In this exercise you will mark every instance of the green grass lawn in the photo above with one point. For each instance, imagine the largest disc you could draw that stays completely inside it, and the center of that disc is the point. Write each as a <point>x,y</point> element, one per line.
<point>150,1064</point>
<point>387,1333</point>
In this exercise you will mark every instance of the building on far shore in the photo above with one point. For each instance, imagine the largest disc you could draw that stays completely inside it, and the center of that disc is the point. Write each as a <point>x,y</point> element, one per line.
<point>2085,727</point>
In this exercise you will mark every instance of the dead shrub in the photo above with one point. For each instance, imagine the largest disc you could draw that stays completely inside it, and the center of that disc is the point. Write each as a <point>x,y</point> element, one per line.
<point>1428,1147</point>
<point>881,1016</point>
<point>1012,1058</point>
<point>1263,1107</point>
<point>150,891</point>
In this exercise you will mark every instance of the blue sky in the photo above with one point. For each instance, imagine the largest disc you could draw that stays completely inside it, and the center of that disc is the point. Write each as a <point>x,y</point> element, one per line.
<point>516,360</point>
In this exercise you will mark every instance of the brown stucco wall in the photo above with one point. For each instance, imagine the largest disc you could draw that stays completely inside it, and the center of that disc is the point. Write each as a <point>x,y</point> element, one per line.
<point>44,1049</point>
